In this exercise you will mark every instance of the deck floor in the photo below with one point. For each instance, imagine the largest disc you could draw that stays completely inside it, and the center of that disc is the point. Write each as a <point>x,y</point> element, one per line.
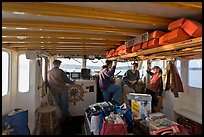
<point>73,126</point>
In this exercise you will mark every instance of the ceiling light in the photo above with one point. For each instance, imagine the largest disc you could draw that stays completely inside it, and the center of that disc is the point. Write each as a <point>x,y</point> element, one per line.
<point>22,28</point>
<point>4,36</point>
<point>41,37</point>
<point>22,37</point>
<point>21,13</point>
<point>4,27</point>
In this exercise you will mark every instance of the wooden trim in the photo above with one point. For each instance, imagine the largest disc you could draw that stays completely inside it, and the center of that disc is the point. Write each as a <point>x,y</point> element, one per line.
<point>59,45</point>
<point>73,35</point>
<point>48,9</point>
<point>51,25</point>
<point>56,40</point>
<point>197,6</point>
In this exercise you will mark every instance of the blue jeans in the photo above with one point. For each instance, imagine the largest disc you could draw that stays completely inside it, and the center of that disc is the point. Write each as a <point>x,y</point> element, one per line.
<point>113,88</point>
<point>62,102</point>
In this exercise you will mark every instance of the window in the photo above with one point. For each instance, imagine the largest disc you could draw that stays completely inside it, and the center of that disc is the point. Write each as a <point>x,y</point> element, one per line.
<point>71,65</point>
<point>178,66</point>
<point>157,63</point>
<point>43,68</point>
<point>95,65</point>
<point>5,73</point>
<point>122,67</point>
<point>195,73</point>
<point>23,73</point>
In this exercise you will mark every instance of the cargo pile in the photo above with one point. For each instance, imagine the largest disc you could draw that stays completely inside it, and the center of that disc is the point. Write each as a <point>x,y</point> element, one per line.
<point>179,30</point>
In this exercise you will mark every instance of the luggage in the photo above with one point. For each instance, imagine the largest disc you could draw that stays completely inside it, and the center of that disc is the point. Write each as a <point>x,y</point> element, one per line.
<point>156,34</point>
<point>192,28</point>
<point>176,24</point>
<point>177,36</point>
<point>16,122</point>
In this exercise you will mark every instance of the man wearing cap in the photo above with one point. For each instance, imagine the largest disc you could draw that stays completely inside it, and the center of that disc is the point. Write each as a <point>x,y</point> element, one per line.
<point>105,75</point>
<point>57,80</point>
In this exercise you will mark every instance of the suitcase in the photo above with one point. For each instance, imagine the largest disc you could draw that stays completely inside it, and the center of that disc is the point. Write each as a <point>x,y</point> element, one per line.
<point>192,28</point>
<point>177,36</point>
<point>176,24</point>
<point>156,34</point>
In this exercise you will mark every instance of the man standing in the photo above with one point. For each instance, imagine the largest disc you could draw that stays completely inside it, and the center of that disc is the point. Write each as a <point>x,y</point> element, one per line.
<point>57,80</point>
<point>105,75</point>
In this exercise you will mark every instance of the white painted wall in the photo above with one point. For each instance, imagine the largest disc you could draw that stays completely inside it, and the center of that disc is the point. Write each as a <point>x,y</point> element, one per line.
<point>190,99</point>
<point>29,100</point>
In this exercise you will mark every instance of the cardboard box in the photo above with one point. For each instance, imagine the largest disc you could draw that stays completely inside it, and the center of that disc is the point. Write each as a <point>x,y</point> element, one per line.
<point>140,104</point>
<point>192,28</point>
<point>156,34</point>
<point>176,24</point>
<point>177,36</point>
<point>137,40</point>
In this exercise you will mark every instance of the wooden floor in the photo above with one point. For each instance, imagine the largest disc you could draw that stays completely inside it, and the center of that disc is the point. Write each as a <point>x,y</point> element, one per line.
<point>73,126</point>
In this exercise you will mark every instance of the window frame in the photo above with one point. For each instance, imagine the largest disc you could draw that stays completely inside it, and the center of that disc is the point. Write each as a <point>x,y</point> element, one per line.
<point>177,67</point>
<point>189,77</point>
<point>18,74</point>
<point>9,70</point>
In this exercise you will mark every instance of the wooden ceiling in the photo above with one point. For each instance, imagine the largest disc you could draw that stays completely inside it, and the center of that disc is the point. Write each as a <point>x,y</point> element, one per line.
<point>86,28</point>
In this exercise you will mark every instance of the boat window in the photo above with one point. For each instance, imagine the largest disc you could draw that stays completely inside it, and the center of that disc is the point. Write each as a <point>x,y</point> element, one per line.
<point>178,66</point>
<point>5,72</point>
<point>157,63</point>
<point>95,65</point>
<point>195,73</point>
<point>71,65</point>
<point>122,67</point>
<point>23,73</point>
<point>43,68</point>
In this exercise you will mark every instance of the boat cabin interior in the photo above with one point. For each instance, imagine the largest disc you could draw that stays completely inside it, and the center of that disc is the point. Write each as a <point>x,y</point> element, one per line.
<point>83,35</point>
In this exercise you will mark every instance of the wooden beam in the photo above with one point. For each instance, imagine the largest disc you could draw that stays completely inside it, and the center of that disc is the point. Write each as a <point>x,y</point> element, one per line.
<point>50,25</point>
<point>58,45</point>
<point>57,40</point>
<point>197,6</point>
<point>73,35</point>
<point>48,9</point>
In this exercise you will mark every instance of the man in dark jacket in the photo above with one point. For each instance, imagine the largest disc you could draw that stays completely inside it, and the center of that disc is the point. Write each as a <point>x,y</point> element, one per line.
<point>131,77</point>
<point>105,84</point>
<point>129,82</point>
<point>57,80</point>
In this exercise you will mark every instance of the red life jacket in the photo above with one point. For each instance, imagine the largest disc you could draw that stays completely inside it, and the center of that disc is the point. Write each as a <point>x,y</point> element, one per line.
<point>154,83</point>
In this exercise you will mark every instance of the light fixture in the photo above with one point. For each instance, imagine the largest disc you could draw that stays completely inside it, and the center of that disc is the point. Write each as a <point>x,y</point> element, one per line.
<point>22,28</point>
<point>22,37</point>
<point>21,13</point>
